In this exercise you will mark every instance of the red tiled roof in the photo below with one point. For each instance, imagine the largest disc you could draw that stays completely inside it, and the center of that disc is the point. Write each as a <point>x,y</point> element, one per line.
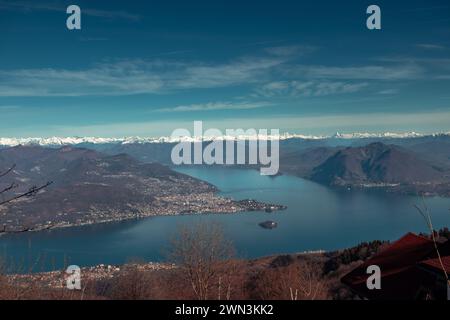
<point>395,258</point>
<point>436,264</point>
<point>399,276</point>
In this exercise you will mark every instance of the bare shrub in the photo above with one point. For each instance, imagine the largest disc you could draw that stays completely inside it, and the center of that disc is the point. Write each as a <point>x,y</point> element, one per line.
<point>204,261</point>
<point>131,284</point>
<point>301,280</point>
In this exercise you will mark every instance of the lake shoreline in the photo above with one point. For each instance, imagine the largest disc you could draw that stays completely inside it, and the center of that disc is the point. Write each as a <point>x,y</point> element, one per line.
<point>248,205</point>
<point>316,218</point>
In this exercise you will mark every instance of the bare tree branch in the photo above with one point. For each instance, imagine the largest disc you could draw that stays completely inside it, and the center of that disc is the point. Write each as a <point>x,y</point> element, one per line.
<point>9,188</point>
<point>425,213</point>
<point>2,174</point>
<point>30,193</point>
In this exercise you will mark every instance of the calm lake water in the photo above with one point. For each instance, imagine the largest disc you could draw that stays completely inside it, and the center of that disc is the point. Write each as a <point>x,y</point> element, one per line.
<point>317,218</point>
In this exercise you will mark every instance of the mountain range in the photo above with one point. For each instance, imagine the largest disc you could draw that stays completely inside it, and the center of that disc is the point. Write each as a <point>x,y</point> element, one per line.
<point>62,141</point>
<point>102,180</point>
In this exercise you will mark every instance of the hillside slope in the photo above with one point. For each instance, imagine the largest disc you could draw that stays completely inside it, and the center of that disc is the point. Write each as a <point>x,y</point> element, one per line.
<point>91,187</point>
<point>376,163</point>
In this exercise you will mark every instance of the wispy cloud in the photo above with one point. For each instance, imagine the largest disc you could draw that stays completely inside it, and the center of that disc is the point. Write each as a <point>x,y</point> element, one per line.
<point>308,88</point>
<point>291,50</point>
<point>243,70</point>
<point>426,67</point>
<point>388,91</point>
<point>47,6</point>
<point>430,46</point>
<point>272,73</point>
<point>215,106</point>
<point>128,77</point>
<point>370,72</point>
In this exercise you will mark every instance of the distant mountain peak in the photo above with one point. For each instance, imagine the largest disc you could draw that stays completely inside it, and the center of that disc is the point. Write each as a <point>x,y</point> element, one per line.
<point>374,163</point>
<point>67,141</point>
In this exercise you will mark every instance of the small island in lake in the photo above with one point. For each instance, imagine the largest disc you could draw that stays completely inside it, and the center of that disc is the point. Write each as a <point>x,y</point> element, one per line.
<point>268,224</point>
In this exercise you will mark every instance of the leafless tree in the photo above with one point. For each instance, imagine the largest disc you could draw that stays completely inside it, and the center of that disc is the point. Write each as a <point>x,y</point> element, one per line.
<point>205,260</point>
<point>425,213</point>
<point>32,191</point>
<point>305,282</point>
<point>300,280</point>
<point>7,290</point>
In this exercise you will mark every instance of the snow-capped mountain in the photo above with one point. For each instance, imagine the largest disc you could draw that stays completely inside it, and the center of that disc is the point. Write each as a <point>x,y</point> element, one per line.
<point>62,141</point>
<point>387,135</point>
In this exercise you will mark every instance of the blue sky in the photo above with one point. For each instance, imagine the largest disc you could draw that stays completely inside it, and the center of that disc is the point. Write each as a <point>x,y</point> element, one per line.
<point>148,67</point>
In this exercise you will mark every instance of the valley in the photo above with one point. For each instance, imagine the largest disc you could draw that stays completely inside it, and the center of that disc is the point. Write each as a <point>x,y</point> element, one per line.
<point>109,180</point>
<point>416,164</point>
<point>90,187</point>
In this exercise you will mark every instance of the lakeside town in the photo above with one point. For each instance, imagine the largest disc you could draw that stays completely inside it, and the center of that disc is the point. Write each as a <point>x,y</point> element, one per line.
<point>169,205</point>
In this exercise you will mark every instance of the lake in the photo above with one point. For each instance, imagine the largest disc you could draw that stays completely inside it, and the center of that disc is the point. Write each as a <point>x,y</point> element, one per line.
<point>317,218</point>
